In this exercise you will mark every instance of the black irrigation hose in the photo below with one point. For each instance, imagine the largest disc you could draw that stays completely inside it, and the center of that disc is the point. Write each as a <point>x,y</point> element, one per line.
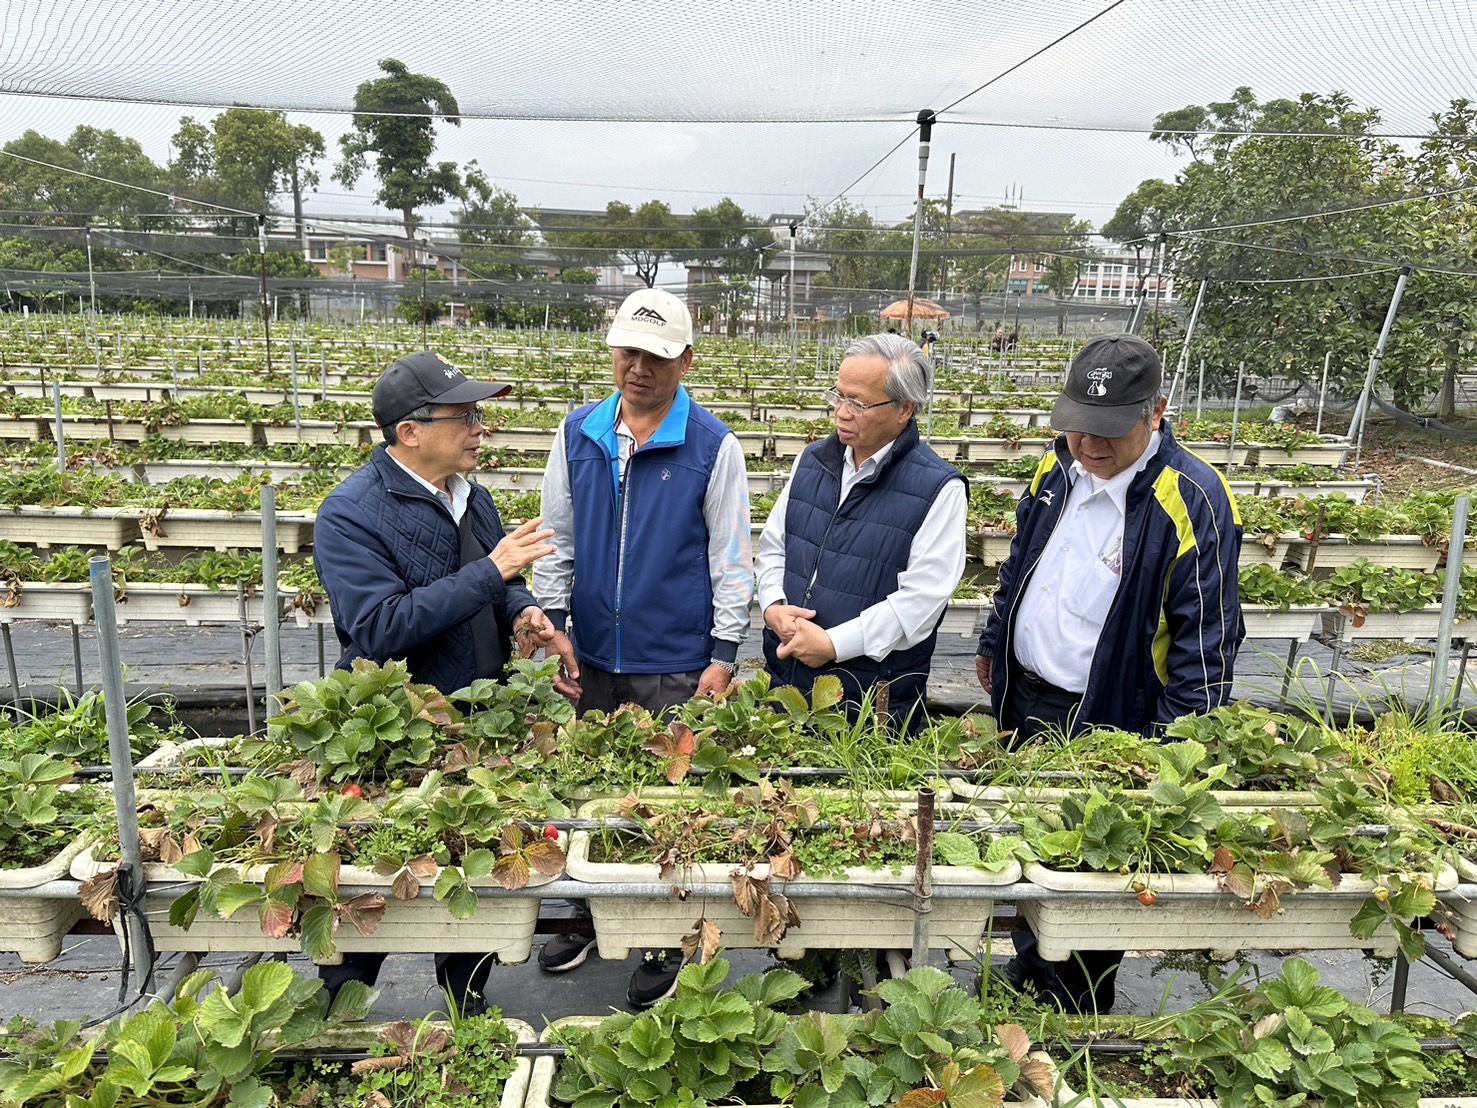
<point>1425,423</point>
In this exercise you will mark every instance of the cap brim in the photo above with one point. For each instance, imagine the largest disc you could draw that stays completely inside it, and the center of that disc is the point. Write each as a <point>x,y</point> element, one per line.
<point>470,391</point>
<point>1095,419</point>
<point>641,340</point>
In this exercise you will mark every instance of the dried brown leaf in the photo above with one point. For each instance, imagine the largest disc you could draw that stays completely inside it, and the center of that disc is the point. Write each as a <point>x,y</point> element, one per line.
<point>1015,1040</point>
<point>747,892</point>
<point>405,886</point>
<point>99,895</point>
<point>704,941</point>
<point>785,866</point>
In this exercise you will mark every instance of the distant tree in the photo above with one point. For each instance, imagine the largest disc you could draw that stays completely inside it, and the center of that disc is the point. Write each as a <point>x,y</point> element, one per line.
<point>492,228</point>
<point>641,238</point>
<point>574,275</point>
<point>401,142</point>
<point>343,255</point>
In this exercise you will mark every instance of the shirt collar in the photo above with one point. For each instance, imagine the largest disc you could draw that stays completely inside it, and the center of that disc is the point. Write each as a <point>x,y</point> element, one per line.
<point>1116,487</point>
<point>458,488</point>
<point>871,464</point>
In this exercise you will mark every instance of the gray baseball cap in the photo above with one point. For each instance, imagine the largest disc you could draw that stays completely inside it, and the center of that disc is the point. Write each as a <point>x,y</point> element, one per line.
<point>1107,385</point>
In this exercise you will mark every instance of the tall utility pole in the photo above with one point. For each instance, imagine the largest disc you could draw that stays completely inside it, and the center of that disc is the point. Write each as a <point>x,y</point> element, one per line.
<point>948,226</point>
<point>793,323</point>
<point>925,133</point>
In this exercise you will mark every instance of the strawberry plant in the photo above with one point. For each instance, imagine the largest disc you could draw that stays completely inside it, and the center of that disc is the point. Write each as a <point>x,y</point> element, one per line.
<point>706,1044</point>
<point>1366,587</point>
<point>1261,585</point>
<point>1292,1040</point>
<point>367,719</point>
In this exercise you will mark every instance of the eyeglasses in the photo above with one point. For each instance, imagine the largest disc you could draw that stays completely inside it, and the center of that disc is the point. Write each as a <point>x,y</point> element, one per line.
<point>847,404</point>
<point>471,418</point>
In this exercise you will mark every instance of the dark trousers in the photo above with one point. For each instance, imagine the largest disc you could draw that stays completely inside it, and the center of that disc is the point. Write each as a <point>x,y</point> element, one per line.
<point>463,975</point>
<point>1086,981</point>
<point>603,691</point>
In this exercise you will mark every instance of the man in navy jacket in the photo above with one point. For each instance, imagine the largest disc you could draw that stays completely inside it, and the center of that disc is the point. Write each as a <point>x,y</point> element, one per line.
<point>1117,606</point>
<point>417,567</point>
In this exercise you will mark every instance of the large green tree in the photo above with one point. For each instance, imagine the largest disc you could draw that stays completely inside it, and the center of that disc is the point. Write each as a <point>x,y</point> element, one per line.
<point>244,159</point>
<point>1298,216</point>
<point>395,124</point>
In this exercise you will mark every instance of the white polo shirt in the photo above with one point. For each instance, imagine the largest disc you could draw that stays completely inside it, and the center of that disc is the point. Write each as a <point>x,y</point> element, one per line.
<point>1066,600</point>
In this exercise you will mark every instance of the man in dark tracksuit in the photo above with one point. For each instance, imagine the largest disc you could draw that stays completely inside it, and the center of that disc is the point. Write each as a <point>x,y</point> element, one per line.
<point>1117,606</point>
<point>417,567</point>
<point>866,543</point>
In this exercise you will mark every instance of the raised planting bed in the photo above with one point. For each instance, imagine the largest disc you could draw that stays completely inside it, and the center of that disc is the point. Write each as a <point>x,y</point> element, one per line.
<point>317,433</point>
<point>626,923</point>
<point>503,924</point>
<point>992,450</point>
<point>1392,552</point>
<point>1405,626</point>
<point>1298,624</point>
<point>113,528</point>
<point>1464,909</point>
<point>67,602</point>
<point>33,927</point>
<point>1264,550</point>
<point>92,428</point>
<point>209,432</point>
<point>1323,454</point>
<point>1220,453</point>
<point>1312,919</point>
<point>216,529</point>
<point>24,428</point>
<point>962,617</point>
<point>193,605</point>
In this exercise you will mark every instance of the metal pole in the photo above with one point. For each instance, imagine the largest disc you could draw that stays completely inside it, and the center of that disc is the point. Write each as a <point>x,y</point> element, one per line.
<point>1323,392</point>
<point>270,610</point>
<point>15,681</point>
<point>1185,349</point>
<point>1357,423</point>
<point>115,709</point>
<point>925,133</point>
<point>77,657</point>
<point>1200,389</point>
<point>261,235</point>
<point>923,879</point>
<point>794,338</point>
<point>1235,419</point>
<point>246,657</point>
<point>297,401</point>
<point>91,284</point>
<point>1436,700</point>
<point>61,434</point>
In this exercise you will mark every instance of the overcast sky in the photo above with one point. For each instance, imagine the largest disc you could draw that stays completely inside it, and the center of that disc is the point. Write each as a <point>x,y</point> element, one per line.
<point>570,103</point>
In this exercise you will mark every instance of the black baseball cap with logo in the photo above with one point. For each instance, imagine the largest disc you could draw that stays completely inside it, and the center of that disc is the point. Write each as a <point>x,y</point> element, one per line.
<point>426,378</point>
<point>1107,385</point>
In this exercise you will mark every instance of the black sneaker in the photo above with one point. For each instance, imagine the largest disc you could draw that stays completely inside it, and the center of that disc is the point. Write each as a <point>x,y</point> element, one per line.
<point>563,953</point>
<point>655,978</point>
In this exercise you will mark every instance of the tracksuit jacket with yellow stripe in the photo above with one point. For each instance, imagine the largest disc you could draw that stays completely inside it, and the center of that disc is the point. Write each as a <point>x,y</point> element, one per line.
<point>1170,640</point>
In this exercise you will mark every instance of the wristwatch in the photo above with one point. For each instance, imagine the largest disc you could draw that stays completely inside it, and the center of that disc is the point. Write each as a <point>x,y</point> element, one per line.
<point>732,667</point>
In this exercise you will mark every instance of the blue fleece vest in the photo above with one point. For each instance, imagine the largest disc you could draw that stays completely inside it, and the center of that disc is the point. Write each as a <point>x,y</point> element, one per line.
<point>642,600</point>
<point>843,558</point>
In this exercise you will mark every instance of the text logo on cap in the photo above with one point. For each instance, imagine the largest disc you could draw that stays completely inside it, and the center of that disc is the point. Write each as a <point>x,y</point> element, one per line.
<point>1097,377</point>
<point>648,315</point>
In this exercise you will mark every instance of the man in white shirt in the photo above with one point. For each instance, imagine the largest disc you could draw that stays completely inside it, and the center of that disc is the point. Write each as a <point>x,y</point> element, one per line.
<point>866,544</point>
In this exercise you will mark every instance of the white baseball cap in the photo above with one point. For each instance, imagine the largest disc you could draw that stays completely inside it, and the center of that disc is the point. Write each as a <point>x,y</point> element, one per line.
<point>653,320</point>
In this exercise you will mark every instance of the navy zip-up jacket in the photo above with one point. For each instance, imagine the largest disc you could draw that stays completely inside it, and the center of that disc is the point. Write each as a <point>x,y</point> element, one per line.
<point>390,557</point>
<point>1169,644</point>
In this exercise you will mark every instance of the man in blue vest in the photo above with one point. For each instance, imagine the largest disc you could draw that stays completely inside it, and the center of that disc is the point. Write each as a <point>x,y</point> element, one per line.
<point>1117,606</point>
<point>648,498</point>
<point>866,543</point>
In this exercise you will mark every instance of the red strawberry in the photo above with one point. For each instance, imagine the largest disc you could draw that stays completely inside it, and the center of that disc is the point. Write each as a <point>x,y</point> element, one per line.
<point>353,790</point>
<point>1148,898</point>
<point>550,831</point>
